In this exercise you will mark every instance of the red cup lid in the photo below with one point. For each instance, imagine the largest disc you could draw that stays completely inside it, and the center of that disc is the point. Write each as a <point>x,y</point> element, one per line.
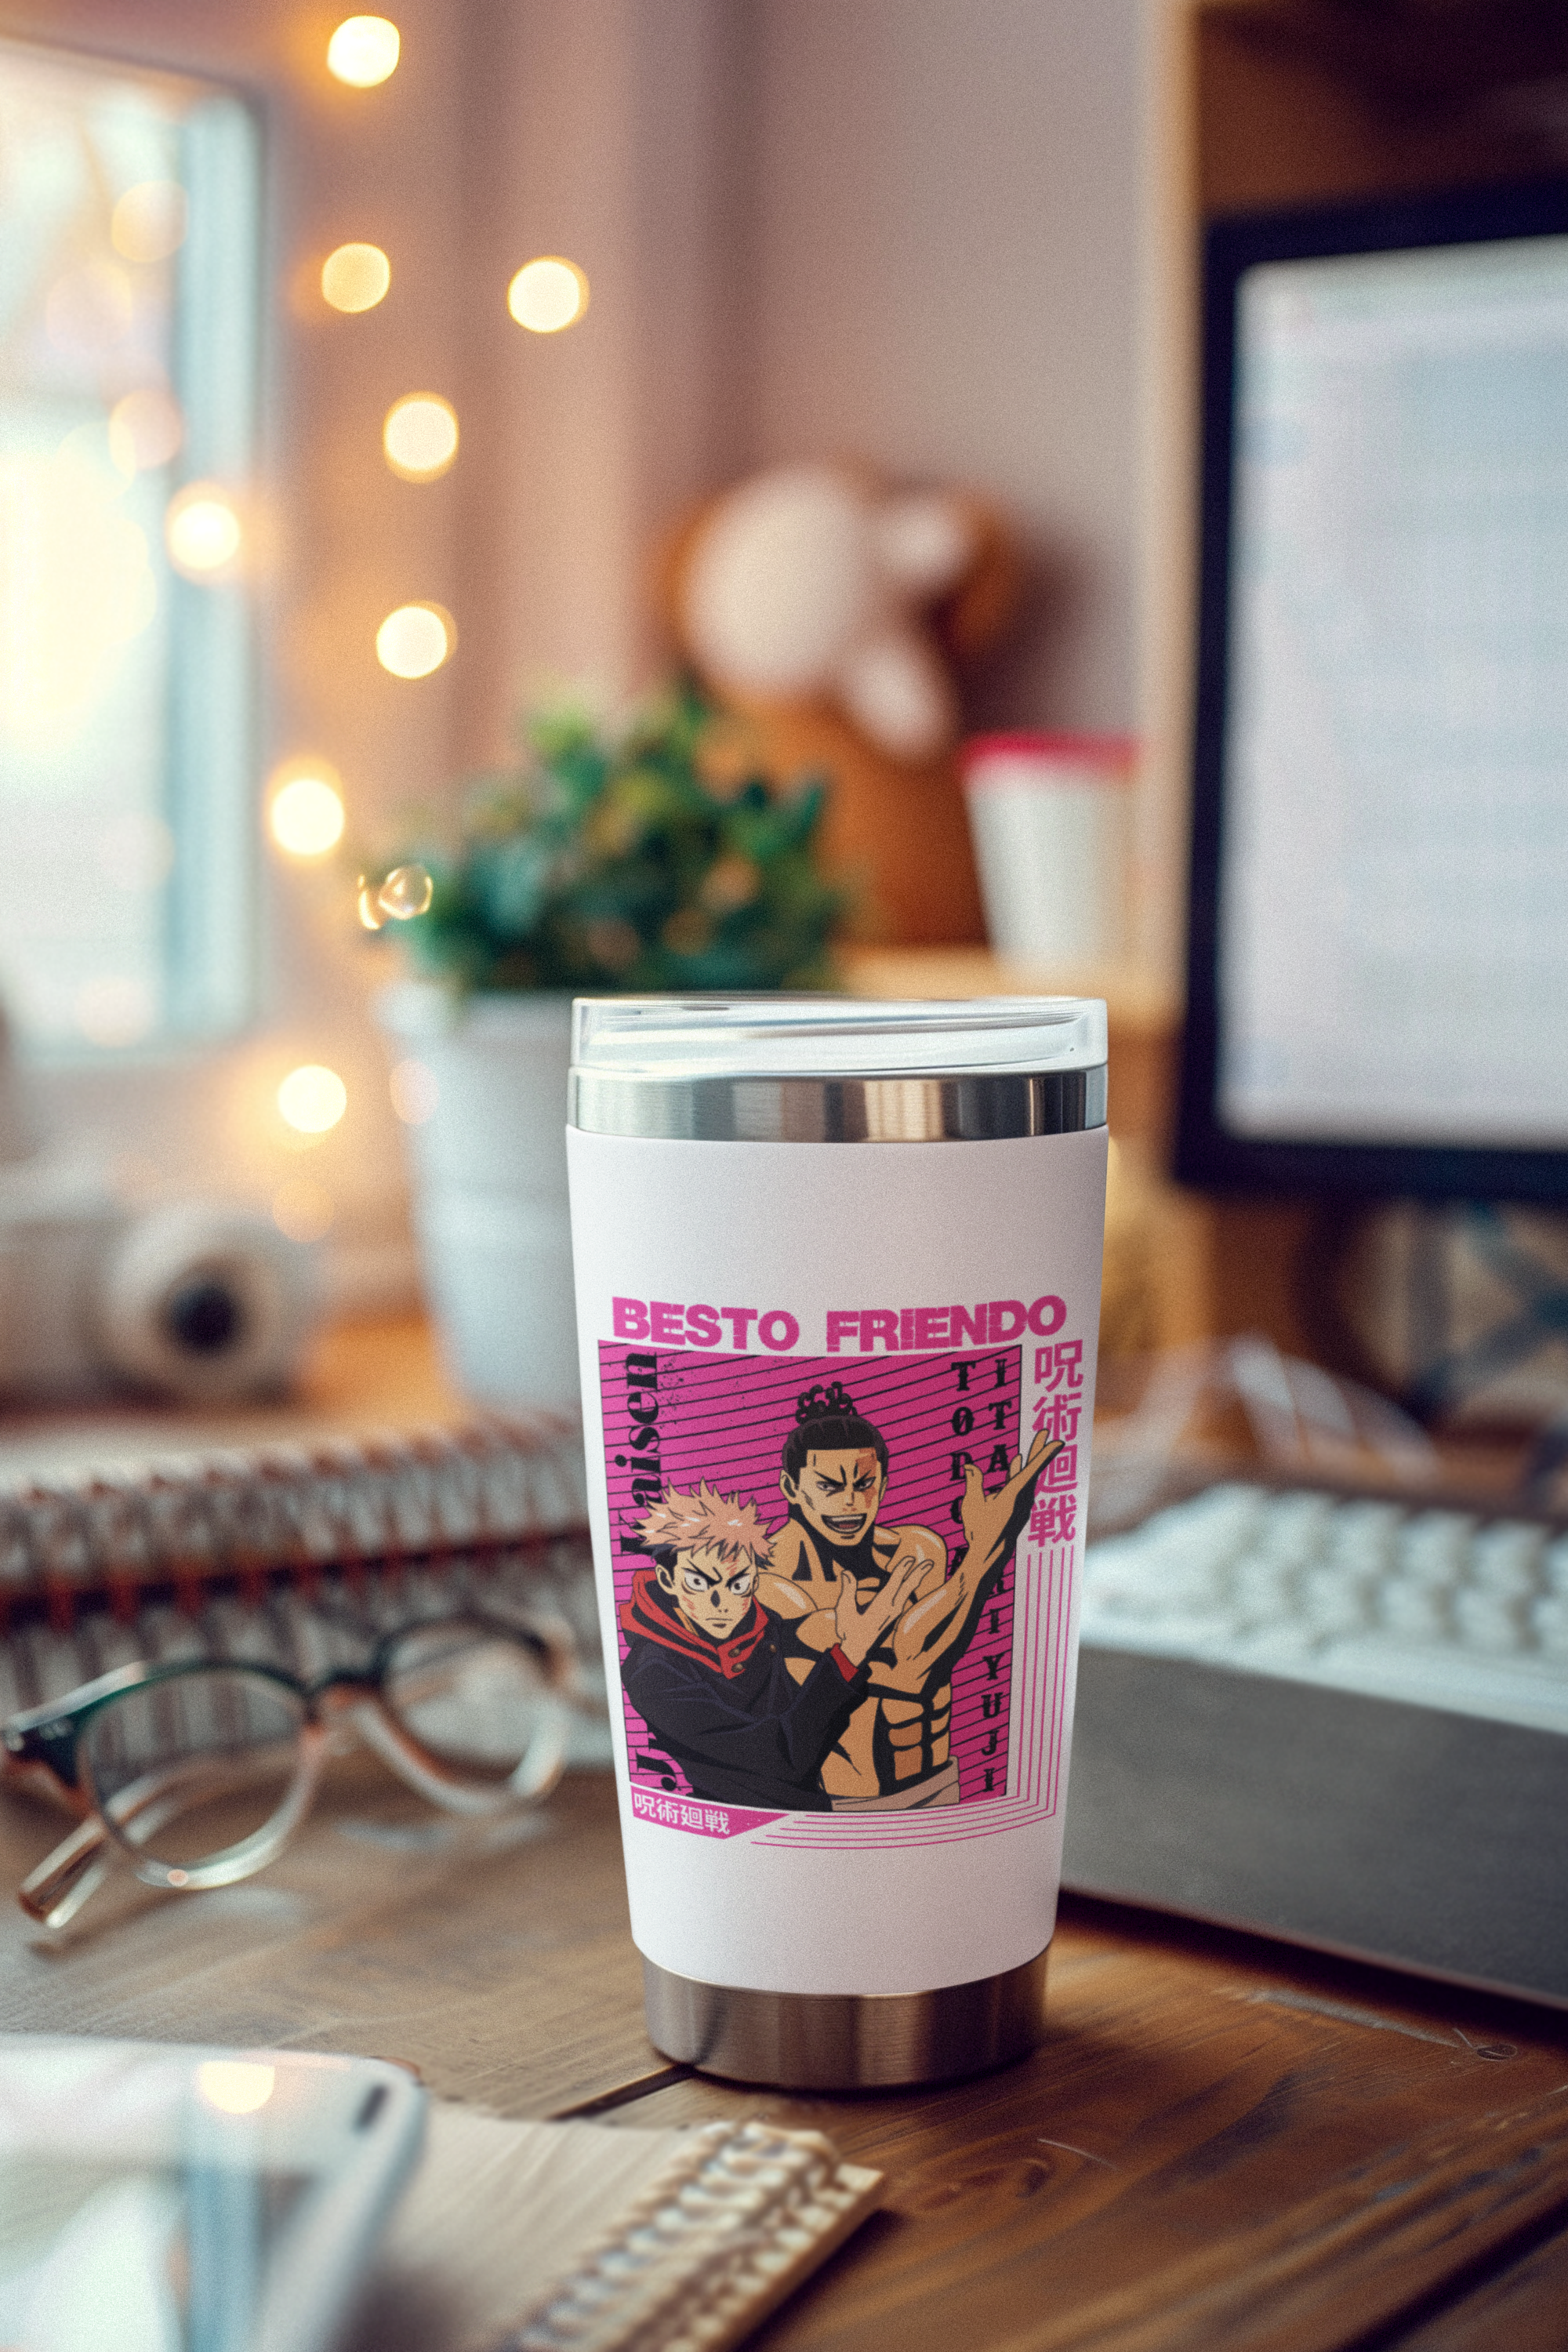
<point>1108,756</point>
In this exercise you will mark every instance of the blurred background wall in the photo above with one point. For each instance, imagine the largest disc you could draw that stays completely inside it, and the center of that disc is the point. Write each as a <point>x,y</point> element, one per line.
<point>945,248</point>
<point>901,230</point>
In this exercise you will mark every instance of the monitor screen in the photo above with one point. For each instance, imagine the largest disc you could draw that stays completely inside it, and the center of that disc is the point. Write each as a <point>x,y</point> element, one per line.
<point>1379,916</point>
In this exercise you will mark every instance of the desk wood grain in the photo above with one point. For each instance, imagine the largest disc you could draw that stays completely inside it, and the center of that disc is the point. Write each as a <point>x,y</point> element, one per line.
<point>1221,2142</point>
<point>505,1974</point>
<point>1522,2306</point>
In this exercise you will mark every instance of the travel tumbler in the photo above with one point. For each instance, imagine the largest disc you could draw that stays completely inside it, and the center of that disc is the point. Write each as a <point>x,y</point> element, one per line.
<point>837,1272</point>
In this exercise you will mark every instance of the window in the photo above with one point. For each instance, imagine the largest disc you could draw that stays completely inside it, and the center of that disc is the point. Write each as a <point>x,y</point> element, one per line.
<point>128,302</point>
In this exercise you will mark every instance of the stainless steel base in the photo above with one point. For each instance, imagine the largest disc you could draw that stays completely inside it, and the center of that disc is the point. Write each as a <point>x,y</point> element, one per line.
<point>846,2041</point>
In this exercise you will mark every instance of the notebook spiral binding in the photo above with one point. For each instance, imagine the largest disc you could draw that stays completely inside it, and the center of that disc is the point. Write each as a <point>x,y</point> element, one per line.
<point>709,2248</point>
<point>286,1512</point>
<point>302,1556</point>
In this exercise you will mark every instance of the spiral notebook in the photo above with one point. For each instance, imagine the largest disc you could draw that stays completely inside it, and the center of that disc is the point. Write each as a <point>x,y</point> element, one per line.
<point>513,2237</point>
<point>541,2237</point>
<point>291,1553</point>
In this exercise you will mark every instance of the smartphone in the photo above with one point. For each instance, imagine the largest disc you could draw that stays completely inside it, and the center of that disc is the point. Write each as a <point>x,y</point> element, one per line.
<point>157,2199</point>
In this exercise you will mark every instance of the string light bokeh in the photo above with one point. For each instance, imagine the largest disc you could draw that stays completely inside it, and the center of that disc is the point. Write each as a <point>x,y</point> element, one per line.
<point>364,51</point>
<point>311,1100</point>
<point>305,813</point>
<point>548,294</point>
<point>416,639</point>
<point>355,278</point>
<point>420,436</point>
<point>202,531</point>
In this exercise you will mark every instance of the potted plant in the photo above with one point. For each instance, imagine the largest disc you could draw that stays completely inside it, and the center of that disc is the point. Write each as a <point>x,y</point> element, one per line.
<point>649,858</point>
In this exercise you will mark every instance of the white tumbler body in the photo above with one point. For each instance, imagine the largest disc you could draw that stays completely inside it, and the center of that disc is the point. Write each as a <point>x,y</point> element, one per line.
<point>804,1363</point>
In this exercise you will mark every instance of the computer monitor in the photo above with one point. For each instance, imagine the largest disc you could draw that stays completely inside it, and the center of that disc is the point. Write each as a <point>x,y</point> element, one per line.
<point>1378,930</point>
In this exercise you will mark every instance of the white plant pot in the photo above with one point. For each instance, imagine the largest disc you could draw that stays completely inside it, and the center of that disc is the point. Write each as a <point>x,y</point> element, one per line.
<point>487,1165</point>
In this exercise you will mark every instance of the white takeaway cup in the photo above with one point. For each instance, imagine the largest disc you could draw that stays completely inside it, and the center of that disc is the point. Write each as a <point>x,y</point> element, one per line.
<point>838,1265</point>
<point>1051,820</point>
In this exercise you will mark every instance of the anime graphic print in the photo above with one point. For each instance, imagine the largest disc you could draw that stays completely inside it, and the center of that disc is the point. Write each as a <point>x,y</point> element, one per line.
<point>814,1577</point>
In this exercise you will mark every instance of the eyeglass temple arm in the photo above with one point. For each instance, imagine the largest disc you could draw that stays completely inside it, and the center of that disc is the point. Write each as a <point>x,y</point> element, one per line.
<point>56,1891</point>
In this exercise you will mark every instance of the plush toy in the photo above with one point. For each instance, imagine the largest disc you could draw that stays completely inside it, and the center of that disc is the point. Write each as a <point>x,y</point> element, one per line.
<point>827,609</point>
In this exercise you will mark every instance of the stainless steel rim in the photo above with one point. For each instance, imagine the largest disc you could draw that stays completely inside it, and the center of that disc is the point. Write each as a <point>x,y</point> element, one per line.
<point>846,2041</point>
<point>984,1107</point>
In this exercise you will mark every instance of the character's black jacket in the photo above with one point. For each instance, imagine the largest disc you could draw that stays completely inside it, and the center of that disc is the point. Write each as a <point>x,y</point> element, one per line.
<point>730,1713</point>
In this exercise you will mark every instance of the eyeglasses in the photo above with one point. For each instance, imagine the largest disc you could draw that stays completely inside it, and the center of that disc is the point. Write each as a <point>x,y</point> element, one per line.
<point>198,1772</point>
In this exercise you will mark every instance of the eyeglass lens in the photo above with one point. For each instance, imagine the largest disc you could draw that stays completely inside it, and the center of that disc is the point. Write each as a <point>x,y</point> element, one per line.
<point>472,1696</point>
<point>188,1768</point>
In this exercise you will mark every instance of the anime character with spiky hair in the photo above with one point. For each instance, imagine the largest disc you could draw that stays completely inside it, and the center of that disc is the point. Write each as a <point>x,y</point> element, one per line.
<point>707,1667</point>
<point>893,1749</point>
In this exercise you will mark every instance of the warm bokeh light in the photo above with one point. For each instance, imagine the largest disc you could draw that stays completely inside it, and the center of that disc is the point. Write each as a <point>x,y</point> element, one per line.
<point>145,430</point>
<point>149,221</point>
<point>235,2087</point>
<point>364,51</point>
<point>420,437</point>
<point>305,814</point>
<point>356,277</point>
<point>416,1091</point>
<point>547,295</point>
<point>312,1099</point>
<point>414,640</point>
<point>303,1209</point>
<point>201,529</point>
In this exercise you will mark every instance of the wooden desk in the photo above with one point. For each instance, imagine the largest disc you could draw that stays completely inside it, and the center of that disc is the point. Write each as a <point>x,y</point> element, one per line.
<point>1222,2143</point>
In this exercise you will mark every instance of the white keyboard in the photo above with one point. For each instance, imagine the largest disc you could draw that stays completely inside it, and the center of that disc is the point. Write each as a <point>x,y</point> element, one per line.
<point>1433,1607</point>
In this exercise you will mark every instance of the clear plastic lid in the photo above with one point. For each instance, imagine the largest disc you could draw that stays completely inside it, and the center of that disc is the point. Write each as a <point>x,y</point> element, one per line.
<point>834,1036</point>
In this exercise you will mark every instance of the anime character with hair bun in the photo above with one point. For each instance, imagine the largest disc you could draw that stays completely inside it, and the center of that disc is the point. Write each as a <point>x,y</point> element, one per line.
<point>707,1667</point>
<point>893,1747</point>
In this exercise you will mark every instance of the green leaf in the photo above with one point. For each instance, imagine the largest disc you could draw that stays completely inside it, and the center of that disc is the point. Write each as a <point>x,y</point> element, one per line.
<point>585,865</point>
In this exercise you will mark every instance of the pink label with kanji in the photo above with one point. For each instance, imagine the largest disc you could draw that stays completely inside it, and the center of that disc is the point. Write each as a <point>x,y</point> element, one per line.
<point>679,1813</point>
<point>1057,1414</point>
<point>814,1569</point>
<point>838,1406</point>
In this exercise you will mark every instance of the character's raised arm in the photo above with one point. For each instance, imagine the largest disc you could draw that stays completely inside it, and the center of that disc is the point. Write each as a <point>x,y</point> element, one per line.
<point>809,1606</point>
<point>859,1626</point>
<point>935,1628</point>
